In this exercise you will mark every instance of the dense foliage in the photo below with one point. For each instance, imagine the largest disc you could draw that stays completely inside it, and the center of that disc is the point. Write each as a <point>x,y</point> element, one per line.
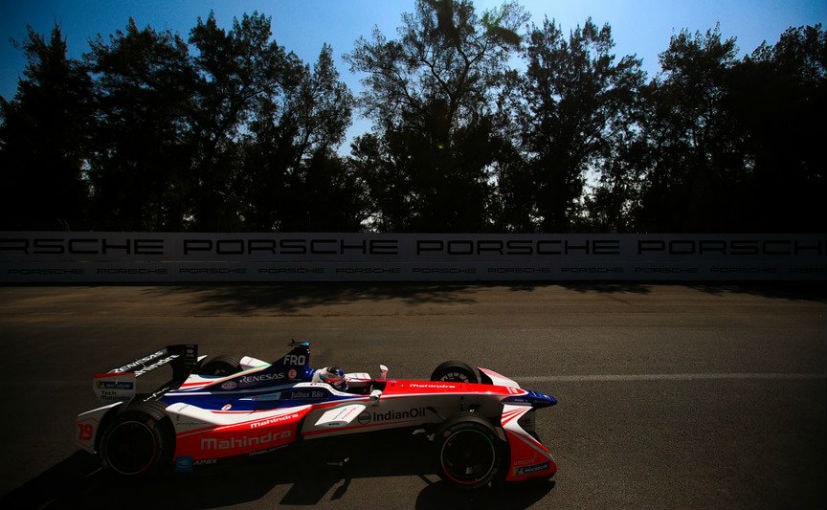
<point>480,122</point>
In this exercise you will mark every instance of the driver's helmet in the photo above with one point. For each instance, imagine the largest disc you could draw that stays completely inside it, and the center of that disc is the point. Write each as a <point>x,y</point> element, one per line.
<point>333,376</point>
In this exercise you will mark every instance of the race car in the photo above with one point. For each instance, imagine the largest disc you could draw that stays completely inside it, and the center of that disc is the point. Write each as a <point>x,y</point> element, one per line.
<point>481,424</point>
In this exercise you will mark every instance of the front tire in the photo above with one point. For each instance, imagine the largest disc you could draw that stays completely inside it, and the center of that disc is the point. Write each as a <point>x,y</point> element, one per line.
<point>455,371</point>
<point>470,453</point>
<point>139,440</point>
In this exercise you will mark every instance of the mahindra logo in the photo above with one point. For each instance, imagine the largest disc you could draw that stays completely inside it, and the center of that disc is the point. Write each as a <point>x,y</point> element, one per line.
<point>245,442</point>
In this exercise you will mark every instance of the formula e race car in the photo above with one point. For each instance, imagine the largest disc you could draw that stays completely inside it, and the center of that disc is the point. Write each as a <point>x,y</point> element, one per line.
<point>480,424</point>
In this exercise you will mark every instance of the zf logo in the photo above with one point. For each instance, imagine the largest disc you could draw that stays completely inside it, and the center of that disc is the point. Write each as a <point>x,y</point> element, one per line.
<point>295,359</point>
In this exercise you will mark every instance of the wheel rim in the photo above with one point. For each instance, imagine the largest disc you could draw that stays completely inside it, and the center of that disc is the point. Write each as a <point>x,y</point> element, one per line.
<point>468,457</point>
<point>455,376</point>
<point>131,447</point>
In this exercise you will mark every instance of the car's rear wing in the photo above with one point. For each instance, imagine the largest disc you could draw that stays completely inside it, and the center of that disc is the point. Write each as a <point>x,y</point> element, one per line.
<point>120,383</point>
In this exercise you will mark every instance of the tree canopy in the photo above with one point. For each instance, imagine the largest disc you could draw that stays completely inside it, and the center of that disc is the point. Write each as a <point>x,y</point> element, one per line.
<point>480,121</point>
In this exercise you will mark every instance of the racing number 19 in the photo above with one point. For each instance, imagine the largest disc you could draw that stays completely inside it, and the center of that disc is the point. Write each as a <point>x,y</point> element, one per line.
<point>85,431</point>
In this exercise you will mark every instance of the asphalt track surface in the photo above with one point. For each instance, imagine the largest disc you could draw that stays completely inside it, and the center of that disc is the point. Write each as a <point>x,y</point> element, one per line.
<point>671,396</point>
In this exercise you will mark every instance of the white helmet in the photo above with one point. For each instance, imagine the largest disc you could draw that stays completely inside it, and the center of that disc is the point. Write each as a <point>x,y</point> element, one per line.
<point>333,376</point>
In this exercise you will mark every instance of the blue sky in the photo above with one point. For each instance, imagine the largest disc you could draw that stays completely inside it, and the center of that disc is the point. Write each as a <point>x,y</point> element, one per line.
<point>641,27</point>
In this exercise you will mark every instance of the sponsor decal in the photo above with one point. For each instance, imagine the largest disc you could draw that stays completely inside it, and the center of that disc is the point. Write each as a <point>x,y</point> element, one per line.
<point>666,269</point>
<point>265,247</point>
<point>519,270</point>
<point>183,464</point>
<point>368,270</point>
<point>592,269</point>
<point>212,270</point>
<point>390,415</point>
<point>115,385</point>
<point>273,420</point>
<point>46,271</point>
<point>229,385</point>
<point>445,270</point>
<point>131,270</point>
<point>736,247</point>
<point>429,386</point>
<point>267,439</point>
<point>536,468</point>
<point>482,247</point>
<point>313,246</point>
<point>150,357</point>
<point>301,394</point>
<point>113,257</point>
<point>255,379</point>
<point>291,270</point>
<point>268,396</point>
<point>82,246</point>
<point>292,374</point>
<point>155,365</point>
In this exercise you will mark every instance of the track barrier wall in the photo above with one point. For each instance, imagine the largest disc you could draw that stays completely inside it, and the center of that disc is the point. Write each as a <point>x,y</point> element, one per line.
<point>146,257</point>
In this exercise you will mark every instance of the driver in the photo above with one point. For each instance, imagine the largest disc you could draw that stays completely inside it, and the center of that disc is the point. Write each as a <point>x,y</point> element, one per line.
<point>333,376</point>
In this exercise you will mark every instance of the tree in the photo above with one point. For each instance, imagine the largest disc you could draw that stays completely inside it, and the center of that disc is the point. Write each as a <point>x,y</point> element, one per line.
<point>241,72</point>
<point>432,97</point>
<point>696,159</point>
<point>43,140</point>
<point>778,96</point>
<point>140,149</point>
<point>291,168</point>
<point>580,102</point>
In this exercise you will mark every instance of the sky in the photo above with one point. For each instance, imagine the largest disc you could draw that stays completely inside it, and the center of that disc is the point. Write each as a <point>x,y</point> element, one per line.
<point>639,27</point>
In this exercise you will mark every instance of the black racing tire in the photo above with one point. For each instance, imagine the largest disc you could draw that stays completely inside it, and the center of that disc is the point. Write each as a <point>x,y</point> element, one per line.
<point>470,454</point>
<point>456,371</point>
<point>138,440</point>
<point>220,366</point>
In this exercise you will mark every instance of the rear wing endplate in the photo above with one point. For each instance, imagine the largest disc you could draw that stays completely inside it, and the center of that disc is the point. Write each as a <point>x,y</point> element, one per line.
<point>119,383</point>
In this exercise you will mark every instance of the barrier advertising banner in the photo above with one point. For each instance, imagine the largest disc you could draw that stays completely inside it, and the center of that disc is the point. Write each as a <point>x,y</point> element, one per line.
<point>136,257</point>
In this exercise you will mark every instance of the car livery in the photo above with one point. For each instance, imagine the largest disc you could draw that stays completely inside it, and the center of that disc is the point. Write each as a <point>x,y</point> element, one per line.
<point>479,423</point>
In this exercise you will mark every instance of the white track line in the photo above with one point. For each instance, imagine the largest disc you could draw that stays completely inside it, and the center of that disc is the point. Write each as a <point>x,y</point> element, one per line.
<point>669,377</point>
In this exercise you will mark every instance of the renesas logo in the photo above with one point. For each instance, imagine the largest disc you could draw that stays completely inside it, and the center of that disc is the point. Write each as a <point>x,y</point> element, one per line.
<point>248,380</point>
<point>391,416</point>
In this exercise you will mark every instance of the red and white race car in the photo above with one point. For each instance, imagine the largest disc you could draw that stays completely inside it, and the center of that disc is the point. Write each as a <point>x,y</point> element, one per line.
<point>480,424</point>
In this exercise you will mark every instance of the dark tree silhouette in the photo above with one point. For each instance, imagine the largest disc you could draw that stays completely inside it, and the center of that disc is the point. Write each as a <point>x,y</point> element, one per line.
<point>228,130</point>
<point>43,139</point>
<point>437,129</point>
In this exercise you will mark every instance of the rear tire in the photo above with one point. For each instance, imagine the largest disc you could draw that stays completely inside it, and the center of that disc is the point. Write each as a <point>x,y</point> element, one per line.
<point>455,371</point>
<point>138,440</point>
<point>470,454</point>
<point>220,366</point>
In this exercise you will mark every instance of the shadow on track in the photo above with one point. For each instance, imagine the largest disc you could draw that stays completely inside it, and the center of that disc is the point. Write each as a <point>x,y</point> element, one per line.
<point>797,291</point>
<point>295,297</point>
<point>78,482</point>
<point>289,298</point>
